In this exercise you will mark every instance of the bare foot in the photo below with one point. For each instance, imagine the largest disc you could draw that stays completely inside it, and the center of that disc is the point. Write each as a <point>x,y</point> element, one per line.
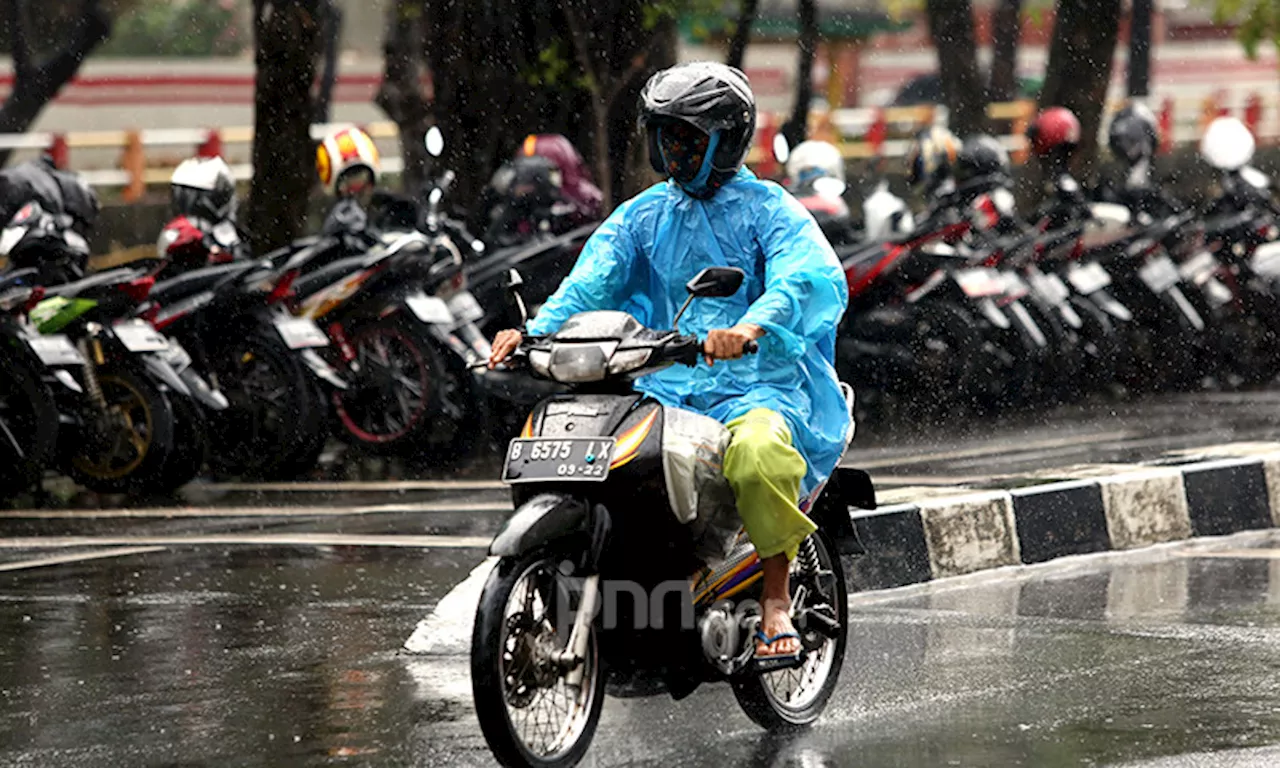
<point>777,621</point>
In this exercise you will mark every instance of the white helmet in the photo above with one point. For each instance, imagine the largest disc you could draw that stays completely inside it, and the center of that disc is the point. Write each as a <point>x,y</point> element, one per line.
<point>812,160</point>
<point>1227,144</point>
<point>203,187</point>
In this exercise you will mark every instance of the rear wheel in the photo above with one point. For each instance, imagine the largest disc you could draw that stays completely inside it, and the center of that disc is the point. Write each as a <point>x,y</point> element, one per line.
<point>794,698</point>
<point>128,445</point>
<point>406,394</point>
<point>28,427</point>
<point>274,410</point>
<point>529,714</point>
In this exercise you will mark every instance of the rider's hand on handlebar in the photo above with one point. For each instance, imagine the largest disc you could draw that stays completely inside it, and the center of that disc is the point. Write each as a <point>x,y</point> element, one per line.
<point>729,343</point>
<point>504,344</point>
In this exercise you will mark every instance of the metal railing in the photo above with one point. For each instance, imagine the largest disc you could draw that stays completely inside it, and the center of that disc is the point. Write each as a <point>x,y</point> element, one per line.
<point>861,133</point>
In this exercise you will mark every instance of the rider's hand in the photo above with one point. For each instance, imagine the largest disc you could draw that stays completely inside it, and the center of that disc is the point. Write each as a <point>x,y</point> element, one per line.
<point>728,343</point>
<point>504,344</point>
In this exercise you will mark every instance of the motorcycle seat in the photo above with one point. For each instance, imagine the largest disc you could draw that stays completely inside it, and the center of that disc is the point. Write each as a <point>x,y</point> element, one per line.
<point>18,277</point>
<point>96,284</point>
<point>329,274</point>
<point>197,280</point>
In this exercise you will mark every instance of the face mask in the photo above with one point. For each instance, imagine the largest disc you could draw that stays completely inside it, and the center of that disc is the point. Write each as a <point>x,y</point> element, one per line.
<point>687,155</point>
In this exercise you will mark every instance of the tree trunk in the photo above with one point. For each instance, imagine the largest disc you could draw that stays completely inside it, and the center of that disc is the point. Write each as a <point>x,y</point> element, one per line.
<point>797,126</point>
<point>400,95</point>
<point>1079,68</point>
<point>286,33</point>
<point>951,24</point>
<point>331,35</point>
<point>37,83</point>
<point>742,32</point>
<point>1006,29</point>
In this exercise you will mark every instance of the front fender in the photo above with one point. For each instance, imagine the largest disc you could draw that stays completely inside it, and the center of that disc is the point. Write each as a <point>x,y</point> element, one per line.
<point>540,520</point>
<point>322,370</point>
<point>159,368</point>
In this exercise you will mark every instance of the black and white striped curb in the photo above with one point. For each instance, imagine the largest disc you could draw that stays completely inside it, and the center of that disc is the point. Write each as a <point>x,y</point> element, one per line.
<point>936,538</point>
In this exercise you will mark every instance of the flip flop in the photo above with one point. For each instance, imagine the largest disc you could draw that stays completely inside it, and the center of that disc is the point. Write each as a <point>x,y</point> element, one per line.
<point>776,661</point>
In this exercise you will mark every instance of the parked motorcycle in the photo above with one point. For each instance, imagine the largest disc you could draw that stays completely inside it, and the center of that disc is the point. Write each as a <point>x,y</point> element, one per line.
<point>32,368</point>
<point>593,510</point>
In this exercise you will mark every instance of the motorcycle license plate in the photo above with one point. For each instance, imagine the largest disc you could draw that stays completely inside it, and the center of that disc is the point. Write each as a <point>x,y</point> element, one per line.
<point>465,308</point>
<point>1014,286</point>
<point>1160,274</point>
<point>558,459</point>
<point>1088,278</point>
<point>1051,287</point>
<point>301,333</point>
<point>55,350</point>
<point>429,309</point>
<point>1198,267</point>
<point>139,336</point>
<point>977,283</point>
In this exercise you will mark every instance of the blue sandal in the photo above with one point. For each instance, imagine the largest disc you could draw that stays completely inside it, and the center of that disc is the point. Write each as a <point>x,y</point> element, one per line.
<point>776,661</point>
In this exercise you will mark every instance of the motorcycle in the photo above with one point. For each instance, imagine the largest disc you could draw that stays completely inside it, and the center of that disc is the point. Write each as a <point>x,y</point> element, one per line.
<point>587,476</point>
<point>125,429</point>
<point>33,367</point>
<point>233,319</point>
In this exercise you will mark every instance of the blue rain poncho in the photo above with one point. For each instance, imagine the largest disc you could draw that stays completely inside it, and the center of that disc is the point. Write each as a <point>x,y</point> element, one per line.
<point>640,259</point>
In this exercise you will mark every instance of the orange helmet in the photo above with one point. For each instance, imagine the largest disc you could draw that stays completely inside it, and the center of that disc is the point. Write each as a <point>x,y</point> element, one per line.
<point>347,162</point>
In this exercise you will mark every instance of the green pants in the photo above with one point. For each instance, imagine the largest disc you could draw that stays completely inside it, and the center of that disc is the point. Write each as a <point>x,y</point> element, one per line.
<point>765,472</point>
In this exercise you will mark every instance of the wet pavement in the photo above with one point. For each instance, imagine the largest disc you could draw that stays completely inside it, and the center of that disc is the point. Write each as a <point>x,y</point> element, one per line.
<point>968,453</point>
<point>289,653</point>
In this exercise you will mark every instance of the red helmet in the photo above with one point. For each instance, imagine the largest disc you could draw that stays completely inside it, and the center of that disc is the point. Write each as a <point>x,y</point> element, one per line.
<point>1053,128</point>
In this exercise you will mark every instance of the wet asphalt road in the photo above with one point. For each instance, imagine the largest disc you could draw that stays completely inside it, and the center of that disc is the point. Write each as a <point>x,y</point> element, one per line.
<point>229,654</point>
<point>954,453</point>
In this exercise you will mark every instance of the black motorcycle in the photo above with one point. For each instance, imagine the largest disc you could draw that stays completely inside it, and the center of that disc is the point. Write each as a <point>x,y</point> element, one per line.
<point>594,521</point>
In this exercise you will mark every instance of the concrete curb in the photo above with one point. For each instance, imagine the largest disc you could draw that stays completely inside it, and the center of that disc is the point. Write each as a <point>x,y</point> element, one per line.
<point>941,537</point>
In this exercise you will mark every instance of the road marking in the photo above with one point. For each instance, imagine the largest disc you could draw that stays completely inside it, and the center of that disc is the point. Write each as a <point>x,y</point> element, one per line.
<point>21,565</point>
<point>1235,554</point>
<point>354,485</point>
<point>985,450</point>
<point>99,514</point>
<point>447,631</point>
<point>280,539</point>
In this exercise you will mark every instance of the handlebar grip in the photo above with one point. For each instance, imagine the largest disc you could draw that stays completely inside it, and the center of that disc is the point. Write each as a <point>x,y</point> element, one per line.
<point>750,348</point>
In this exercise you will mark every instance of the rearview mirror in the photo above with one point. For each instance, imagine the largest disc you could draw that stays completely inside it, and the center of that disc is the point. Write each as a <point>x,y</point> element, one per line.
<point>781,148</point>
<point>514,281</point>
<point>716,282</point>
<point>434,141</point>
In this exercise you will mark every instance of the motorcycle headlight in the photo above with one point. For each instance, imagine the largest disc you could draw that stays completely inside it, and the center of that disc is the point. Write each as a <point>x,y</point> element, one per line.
<point>628,360</point>
<point>577,363</point>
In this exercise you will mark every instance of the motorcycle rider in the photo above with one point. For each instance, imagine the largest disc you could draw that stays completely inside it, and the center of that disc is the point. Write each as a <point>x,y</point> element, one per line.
<point>784,407</point>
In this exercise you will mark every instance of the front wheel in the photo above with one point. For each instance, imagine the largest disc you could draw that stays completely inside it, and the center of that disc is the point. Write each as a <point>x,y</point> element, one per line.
<point>129,442</point>
<point>794,698</point>
<point>28,427</point>
<point>531,717</point>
